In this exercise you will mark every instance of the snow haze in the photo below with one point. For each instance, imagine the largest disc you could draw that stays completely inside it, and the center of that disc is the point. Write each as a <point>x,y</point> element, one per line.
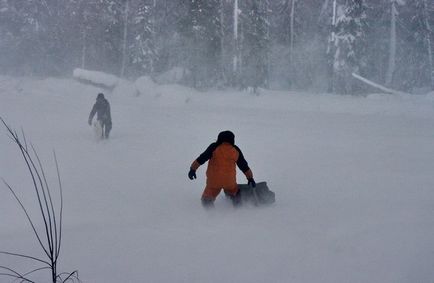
<point>330,101</point>
<point>311,45</point>
<point>352,176</point>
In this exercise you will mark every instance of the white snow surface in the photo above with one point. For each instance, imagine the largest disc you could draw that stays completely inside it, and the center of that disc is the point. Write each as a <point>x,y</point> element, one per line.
<point>96,77</point>
<point>353,179</point>
<point>172,76</point>
<point>145,85</point>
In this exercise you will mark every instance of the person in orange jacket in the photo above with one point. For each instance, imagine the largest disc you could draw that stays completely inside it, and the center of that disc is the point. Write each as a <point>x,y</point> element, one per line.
<point>223,156</point>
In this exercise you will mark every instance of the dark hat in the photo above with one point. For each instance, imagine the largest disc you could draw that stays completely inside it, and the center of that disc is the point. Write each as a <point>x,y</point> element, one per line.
<point>100,95</point>
<point>226,136</point>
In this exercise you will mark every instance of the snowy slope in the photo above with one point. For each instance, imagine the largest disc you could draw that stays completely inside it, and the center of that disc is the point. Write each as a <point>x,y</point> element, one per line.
<point>353,181</point>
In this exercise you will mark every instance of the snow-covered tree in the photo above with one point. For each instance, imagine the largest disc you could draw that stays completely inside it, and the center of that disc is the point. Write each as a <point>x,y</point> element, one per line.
<point>413,67</point>
<point>108,29</point>
<point>236,56</point>
<point>125,30</point>
<point>288,17</point>
<point>143,53</point>
<point>281,43</point>
<point>429,38</point>
<point>24,28</point>
<point>288,11</point>
<point>89,26</point>
<point>392,49</point>
<point>347,42</point>
<point>201,30</point>
<point>256,43</point>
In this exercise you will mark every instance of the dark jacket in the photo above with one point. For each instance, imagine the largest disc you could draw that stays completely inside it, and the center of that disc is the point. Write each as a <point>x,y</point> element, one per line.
<point>102,109</point>
<point>223,157</point>
<point>240,161</point>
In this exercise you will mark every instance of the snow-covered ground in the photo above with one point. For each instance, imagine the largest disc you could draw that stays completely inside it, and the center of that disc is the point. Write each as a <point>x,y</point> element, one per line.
<point>353,179</point>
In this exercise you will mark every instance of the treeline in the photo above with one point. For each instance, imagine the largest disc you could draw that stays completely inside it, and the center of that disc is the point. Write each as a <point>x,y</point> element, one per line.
<point>285,44</point>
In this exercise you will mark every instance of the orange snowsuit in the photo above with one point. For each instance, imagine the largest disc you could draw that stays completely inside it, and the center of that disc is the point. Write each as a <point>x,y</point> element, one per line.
<point>221,171</point>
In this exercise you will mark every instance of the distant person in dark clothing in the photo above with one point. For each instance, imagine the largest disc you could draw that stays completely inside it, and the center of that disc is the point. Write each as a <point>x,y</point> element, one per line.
<point>223,156</point>
<point>102,109</point>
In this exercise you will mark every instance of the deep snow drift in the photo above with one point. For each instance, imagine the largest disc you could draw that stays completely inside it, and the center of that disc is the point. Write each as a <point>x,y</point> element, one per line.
<point>353,181</point>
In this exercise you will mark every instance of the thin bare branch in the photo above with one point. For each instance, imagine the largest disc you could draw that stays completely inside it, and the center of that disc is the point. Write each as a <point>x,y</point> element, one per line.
<point>24,138</point>
<point>45,213</point>
<point>71,276</point>
<point>25,256</point>
<point>15,274</point>
<point>51,212</point>
<point>61,204</point>
<point>34,174</point>
<point>16,277</point>
<point>35,270</point>
<point>52,225</point>
<point>28,217</point>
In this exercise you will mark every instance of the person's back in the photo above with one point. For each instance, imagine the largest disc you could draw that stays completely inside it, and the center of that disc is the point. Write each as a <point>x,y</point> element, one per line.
<point>102,110</point>
<point>223,156</point>
<point>222,165</point>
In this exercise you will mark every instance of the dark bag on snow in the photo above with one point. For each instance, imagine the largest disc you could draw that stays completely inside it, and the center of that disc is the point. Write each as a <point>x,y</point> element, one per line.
<point>259,195</point>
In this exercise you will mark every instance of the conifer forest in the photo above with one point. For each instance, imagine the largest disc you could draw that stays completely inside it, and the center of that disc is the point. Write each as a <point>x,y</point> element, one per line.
<point>303,45</point>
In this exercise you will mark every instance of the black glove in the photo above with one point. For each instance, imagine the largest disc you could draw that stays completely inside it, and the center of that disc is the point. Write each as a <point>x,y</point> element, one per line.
<point>89,122</point>
<point>251,182</point>
<point>192,174</point>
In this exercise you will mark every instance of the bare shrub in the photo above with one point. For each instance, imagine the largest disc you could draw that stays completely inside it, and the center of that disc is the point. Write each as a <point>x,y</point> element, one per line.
<point>50,239</point>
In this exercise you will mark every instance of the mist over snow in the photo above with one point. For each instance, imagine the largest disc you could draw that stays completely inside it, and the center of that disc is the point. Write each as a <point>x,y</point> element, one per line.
<point>352,176</point>
<point>315,45</point>
<point>330,101</point>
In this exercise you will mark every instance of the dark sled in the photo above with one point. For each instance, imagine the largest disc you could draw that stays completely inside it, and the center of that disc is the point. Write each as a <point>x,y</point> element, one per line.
<point>260,195</point>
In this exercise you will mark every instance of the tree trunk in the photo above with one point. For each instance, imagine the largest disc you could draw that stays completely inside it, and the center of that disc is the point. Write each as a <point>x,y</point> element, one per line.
<point>83,48</point>
<point>124,40</point>
<point>324,7</point>
<point>291,42</point>
<point>333,51</point>
<point>240,54</point>
<point>154,20</point>
<point>222,42</point>
<point>392,47</point>
<point>335,5</point>
<point>291,33</point>
<point>235,58</point>
<point>267,52</point>
<point>429,44</point>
